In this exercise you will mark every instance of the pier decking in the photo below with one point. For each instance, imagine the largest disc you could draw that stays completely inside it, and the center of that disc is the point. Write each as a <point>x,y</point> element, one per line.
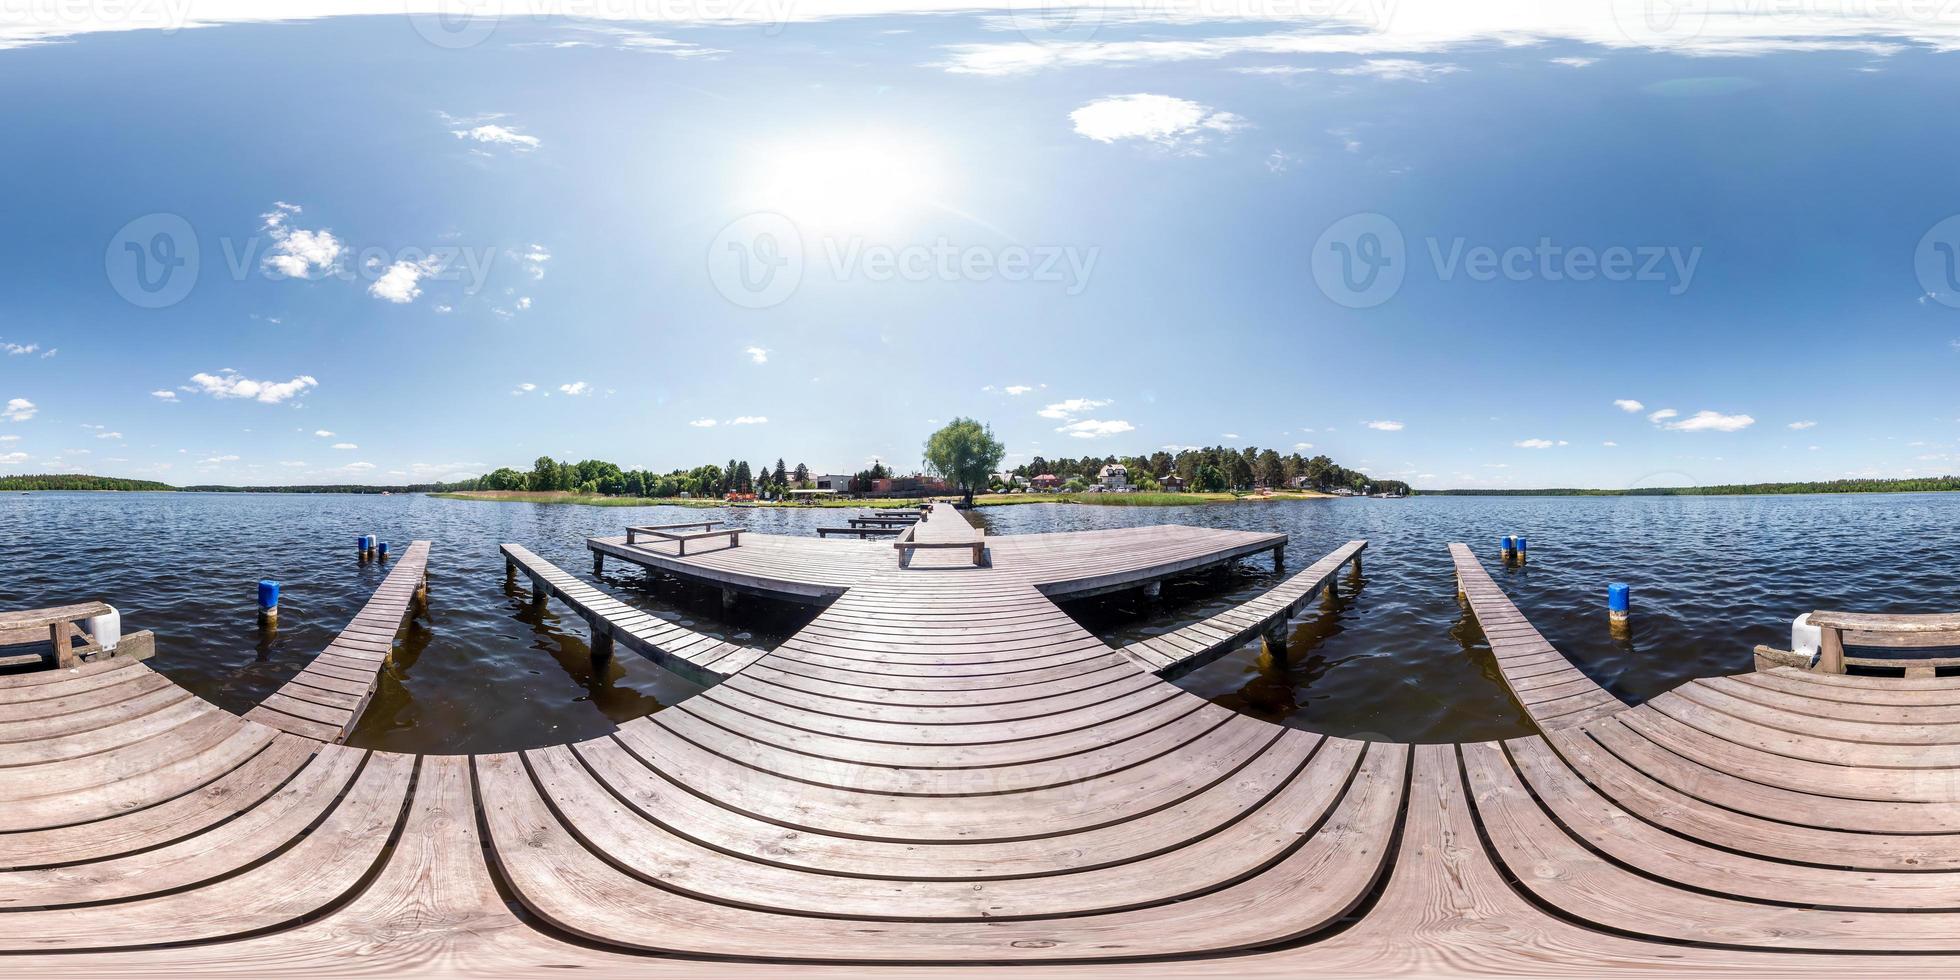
<point>944,769</point>
<point>324,700</point>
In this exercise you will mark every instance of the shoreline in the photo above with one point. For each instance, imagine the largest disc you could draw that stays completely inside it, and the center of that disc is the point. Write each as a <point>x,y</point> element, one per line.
<point>979,500</point>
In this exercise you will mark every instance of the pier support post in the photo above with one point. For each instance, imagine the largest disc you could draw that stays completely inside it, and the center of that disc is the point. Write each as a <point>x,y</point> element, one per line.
<point>602,641</point>
<point>421,604</point>
<point>1153,592</point>
<point>539,594</point>
<point>598,563</point>
<point>1830,652</point>
<point>510,571</point>
<point>1276,641</point>
<point>1279,560</point>
<point>1354,566</point>
<point>268,611</point>
<point>727,601</point>
<point>1619,603</point>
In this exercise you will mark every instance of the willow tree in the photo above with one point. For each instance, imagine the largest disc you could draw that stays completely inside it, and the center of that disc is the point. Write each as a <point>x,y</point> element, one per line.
<point>966,453</point>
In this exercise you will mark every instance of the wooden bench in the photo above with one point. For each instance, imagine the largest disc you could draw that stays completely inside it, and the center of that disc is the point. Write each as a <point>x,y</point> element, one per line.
<point>677,533</point>
<point>861,532</point>
<point>1887,631</point>
<point>884,521</point>
<point>53,625</point>
<point>905,548</point>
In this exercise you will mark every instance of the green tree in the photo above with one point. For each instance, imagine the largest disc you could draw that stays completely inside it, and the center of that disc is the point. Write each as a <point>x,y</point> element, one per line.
<point>544,474</point>
<point>964,452</point>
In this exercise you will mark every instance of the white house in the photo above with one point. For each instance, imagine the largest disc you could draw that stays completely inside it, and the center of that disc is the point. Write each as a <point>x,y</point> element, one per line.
<point>1115,476</point>
<point>841,484</point>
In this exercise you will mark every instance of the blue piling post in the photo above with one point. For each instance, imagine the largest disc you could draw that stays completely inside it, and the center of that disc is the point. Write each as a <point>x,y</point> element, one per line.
<point>1509,544</point>
<point>1520,546</point>
<point>268,599</point>
<point>361,546</point>
<point>383,552</point>
<point>1618,602</point>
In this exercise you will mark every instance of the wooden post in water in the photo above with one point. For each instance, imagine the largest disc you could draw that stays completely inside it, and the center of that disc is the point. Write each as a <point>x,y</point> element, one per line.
<point>510,571</point>
<point>421,603</point>
<point>602,640</point>
<point>1153,591</point>
<point>1279,559</point>
<point>727,601</point>
<point>539,594</point>
<point>1276,642</point>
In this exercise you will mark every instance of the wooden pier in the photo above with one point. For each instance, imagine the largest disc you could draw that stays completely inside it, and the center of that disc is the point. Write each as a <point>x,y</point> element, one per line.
<point>943,769</point>
<point>325,700</point>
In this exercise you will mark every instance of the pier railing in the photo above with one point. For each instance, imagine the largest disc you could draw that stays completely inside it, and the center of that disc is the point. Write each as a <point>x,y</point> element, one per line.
<point>1885,631</point>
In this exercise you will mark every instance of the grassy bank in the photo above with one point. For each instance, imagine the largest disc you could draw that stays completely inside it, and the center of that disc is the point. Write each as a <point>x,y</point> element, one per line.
<point>982,500</point>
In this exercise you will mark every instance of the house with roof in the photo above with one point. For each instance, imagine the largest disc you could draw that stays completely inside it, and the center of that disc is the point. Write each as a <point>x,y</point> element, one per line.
<point>1115,476</point>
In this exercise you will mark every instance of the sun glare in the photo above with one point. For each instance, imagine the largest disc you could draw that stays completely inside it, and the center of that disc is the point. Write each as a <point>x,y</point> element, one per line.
<point>847,183</point>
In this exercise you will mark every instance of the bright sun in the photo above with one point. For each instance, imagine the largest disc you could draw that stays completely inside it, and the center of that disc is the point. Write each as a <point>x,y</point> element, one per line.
<point>848,183</point>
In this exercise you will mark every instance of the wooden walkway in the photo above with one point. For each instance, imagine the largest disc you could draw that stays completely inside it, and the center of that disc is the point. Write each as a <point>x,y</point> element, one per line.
<point>325,700</point>
<point>1554,692</point>
<point>942,769</point>
<point>1180,651</point>
<point>697,656</point>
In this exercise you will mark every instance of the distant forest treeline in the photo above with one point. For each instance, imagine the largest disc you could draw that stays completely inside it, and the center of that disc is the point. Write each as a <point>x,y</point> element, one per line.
<point>63,481</point>
<point>70,481</point>
<point>1916,485</point>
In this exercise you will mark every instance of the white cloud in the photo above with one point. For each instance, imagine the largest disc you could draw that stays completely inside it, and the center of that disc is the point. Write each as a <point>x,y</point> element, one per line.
<point>703,423</point>
<point>524,388</point>
<point>358,466</point>
<point>345,445</point>
<point>1627,405</point>
<point>1575,62</point>
<point>164,394</point>
<point>1662,415</point>
<point>1301,447</point>
<point>494,135</point>
<point>1609,443</point>
<point>298,252</point>
<point>1279,161</point>
<point>1398,69</point>
<point>1229,436</point>
<point>215,460</point>
<point>758,355</point>
<point>18,410</point>
<point>323,433</point>
<point>523,302</point>
<point>1800,426</point>
<point>534,259</point>
<point>576,389</point>
<point>402,282</point>
<point>1072,407</point>
<point>1095,428</point>
<point>1017,389</point>
<point>292,462</point>
<point>9,438</point>
<point>108,435</point>
<point>1174,123</point>
<point>17,350</point>
<point>1384,425</point>
<point>1706,421</point>
<point>749,420</point>
<point>12,459</point>
<point>229,384</point>
<point>1537,443</point>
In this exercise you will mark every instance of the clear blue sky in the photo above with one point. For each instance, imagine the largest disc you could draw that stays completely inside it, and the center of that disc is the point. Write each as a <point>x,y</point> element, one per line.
<point>423,260</point>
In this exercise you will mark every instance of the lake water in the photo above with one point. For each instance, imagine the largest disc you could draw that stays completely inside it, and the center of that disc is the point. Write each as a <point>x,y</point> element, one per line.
<point>1396,657</point>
